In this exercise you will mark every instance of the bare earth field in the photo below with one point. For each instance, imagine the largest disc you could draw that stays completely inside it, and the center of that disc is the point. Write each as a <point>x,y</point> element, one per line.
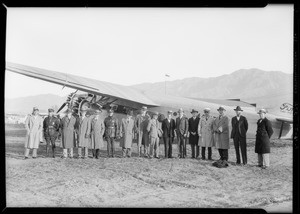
<point>141,182</point>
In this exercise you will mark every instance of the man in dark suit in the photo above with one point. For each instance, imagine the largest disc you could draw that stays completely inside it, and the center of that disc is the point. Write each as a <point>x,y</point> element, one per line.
<point>182,127</point>
<point>193,139</point>
<point>239,129</point>
<point>168,127</point>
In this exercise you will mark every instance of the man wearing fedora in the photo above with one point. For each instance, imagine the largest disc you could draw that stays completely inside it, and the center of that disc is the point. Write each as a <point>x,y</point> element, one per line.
<point>34,127</point>
<point>97,131</point>
<point>153,128</point>
<point>182,128</point>
<point>206,133</point>
<point>168,128</point>
<point>193,138</point>
<point>221,129</point>
<point>51,127</point>
<point>68,126</point>
<point>127,134</point>
<point>83,134</point>
<point>111,132</point>
<point>262,143</point>
<point>141,123</point>
<point>239,126</point>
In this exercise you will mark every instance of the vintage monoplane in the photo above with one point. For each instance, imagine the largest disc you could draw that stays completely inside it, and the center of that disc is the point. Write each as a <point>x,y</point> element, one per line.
<point>104,95</point>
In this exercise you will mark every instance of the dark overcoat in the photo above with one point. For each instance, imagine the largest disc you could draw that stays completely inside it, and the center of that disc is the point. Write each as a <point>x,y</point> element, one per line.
<point>263,135</point>
<point>193,126</point>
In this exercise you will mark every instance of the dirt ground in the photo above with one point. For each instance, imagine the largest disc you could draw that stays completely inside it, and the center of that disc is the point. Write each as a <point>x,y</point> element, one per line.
<point>142,182</point>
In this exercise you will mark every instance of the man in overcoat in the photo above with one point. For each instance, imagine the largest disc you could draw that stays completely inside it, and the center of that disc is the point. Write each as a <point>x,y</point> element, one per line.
<point>206,133</point>
<point>221,129</point>
<point>111,132</point>
<point>34,127</point>
<point>83,134</point>
<point>68,126</point>
<point>262,143</point>
<point>182,127</point>
<point>153,129</point>
<point>51,127</point>
<point>168,128</point>
<point>127,133</point>
<point>193,134</point>
<point>97,131</point>
<point>239,126</point>
<point>141,123</point>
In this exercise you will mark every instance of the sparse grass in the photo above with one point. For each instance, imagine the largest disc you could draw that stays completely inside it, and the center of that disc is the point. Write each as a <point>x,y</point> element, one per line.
<point>141,182</point>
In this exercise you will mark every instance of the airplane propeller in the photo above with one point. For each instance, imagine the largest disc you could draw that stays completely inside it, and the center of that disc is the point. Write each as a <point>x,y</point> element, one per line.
<point>62,106</point>
<point>68,101</point>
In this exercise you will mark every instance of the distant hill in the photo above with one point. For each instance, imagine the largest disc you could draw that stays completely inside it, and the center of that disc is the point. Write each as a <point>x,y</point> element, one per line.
<point>269,89</point>
<point>24,105</point>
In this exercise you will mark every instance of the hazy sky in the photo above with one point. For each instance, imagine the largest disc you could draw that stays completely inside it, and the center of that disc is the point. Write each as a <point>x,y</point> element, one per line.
<point>135,45</point>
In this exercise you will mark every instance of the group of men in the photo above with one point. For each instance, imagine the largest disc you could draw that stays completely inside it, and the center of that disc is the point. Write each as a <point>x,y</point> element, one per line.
<point>203,131</point>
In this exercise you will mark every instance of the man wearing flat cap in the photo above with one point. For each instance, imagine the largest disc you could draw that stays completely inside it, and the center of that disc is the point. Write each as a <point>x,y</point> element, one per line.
<point>68,126</point>
<point>182,128</point>
<point>141,123</point>
<point>206,134</point>
<point>97,132</point>
<point>51,127</point>
<point>34,127</point>
<point>239,125</point>
<point>127,134</point>
<point>168,128</point>
<point>153,128</point>
<point>221,129</point>
<point>111,132</point>
<point>193,139</point>
<point>262,143</point>
<point>84,134</point>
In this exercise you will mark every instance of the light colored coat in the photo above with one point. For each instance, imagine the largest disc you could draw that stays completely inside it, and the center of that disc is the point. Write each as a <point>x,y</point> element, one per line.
<point>126,132</point>
<point>153,128</point>
<point>221,139</point>
<point>83,130</point>
<point>68,132</point>
<point>97,131</point>
<point>34,127</point>
<point>206,132</point>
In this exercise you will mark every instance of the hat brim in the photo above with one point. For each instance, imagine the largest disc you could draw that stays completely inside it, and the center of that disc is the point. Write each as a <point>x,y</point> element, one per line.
<point>221,109</point>
<point>238,110</point>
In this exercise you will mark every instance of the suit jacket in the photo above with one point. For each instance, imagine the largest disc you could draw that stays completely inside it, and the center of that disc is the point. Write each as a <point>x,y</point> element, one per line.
<point>239,127</point>
<point>153,128</point>
<point>168,128</point>
<point>193,125</point>
<point>182,126</point>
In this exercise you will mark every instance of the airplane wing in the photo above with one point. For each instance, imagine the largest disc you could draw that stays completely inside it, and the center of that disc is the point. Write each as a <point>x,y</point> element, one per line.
<point>123,94</point>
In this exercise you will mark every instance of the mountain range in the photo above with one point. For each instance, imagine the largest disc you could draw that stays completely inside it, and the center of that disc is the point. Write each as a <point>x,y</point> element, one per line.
<point>269,89</point>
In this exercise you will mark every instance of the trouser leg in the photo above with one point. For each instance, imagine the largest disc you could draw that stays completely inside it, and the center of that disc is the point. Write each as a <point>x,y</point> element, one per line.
<point>244,150</point>
<point>79,152</point>
<point>170,142</point>
<point>193,150</point>
<point>94,152</point>
<point>129,152</point>
<point>184,147</point>
<point>209,153</point>
<point>65,153</point>
<point>266,159</point>
<point>221,154</point>
<point>140,137</point>
<point>86,152</point>
<point>108,146</point>
<point>225,154</point>
<point>203,152</point>
<point>166,144</point>
<point>34,153</point>
<point>179,145</point>
<point>152,142</point>
<point>97,153</point>
<point>123,152</point>
<point>156,147</point>
<point>237,149</point>
<point>26,153</point>
<point>47,148</point>
<point>113,147</point>
<point>259,159</point>
<point>53,146</point>
<point>71,152</point>
<point>197,151</point>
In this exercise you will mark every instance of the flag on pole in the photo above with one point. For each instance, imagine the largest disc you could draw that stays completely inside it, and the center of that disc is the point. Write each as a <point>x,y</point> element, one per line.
<point>167,75</point>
